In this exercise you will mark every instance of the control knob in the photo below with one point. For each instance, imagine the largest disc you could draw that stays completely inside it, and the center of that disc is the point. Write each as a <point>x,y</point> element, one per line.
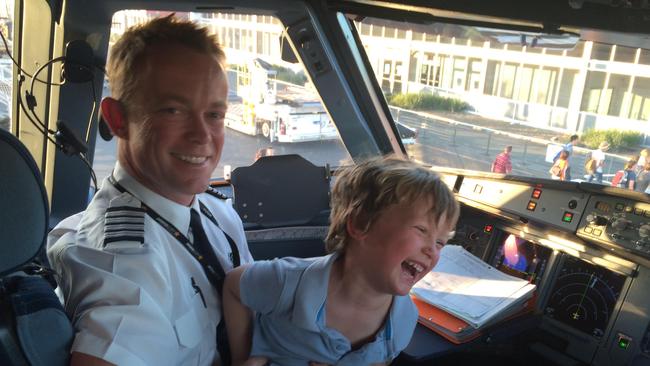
<point>644,231</point>
<point>596,220</point>
<point>620,224</point>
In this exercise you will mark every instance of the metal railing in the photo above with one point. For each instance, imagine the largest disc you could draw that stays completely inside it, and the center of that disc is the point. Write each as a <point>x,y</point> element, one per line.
<point>454,143</point>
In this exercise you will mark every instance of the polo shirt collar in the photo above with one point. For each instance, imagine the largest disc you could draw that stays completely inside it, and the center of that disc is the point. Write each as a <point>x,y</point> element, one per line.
<point>312,300</point>
<point>311,294</point>
<point>177,214</point>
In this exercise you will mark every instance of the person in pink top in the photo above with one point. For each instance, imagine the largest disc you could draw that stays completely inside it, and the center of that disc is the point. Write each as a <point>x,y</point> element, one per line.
<point>502,163</point>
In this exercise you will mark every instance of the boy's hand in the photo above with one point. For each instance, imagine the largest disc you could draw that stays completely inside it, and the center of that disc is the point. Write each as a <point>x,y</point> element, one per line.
<point>255,361</point>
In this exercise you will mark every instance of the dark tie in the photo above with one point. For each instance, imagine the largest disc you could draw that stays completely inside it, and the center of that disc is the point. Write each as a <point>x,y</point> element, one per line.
<point>203,247</point>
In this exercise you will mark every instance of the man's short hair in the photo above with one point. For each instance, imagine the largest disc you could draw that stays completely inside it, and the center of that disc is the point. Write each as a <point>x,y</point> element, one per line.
<point>362,192</point>
<point>127,52</point>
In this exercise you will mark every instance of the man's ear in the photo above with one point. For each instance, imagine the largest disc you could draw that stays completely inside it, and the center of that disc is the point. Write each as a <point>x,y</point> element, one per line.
<point>115,116</point>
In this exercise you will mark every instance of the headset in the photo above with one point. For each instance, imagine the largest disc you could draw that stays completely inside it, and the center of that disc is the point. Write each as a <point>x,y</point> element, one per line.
<point>78,67</point>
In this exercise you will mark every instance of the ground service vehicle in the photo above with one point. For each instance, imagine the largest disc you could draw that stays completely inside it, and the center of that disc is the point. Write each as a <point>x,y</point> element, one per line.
<point>472,77</point>
<point>282,112</point>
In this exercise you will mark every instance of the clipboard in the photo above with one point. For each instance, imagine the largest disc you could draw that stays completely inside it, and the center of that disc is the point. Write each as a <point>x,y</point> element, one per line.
<point>448,326</point>
<point>456,330</point>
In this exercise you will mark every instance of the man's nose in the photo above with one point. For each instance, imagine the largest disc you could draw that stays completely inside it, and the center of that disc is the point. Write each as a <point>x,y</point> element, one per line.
<point>198,129</point>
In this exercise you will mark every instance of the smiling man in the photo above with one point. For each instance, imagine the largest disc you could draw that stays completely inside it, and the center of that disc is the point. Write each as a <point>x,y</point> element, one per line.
<point>142,268</point>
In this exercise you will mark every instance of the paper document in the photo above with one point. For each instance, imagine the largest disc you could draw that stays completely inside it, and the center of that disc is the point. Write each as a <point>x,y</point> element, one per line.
<point>471,289</point>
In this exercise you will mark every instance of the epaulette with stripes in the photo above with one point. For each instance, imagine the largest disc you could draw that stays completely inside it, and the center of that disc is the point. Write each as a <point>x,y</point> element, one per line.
<point>124,224</point>
<point>213,192</point>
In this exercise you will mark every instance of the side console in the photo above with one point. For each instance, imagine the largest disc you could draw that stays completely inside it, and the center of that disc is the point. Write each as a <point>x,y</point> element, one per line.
<point>619,224</point>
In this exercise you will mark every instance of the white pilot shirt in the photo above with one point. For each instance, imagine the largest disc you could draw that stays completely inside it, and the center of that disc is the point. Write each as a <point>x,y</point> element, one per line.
<point>140,303</point>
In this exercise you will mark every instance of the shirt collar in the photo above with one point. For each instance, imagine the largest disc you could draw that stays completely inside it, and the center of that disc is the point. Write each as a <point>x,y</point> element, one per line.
<point>310,291</point>
<point>177,214</point>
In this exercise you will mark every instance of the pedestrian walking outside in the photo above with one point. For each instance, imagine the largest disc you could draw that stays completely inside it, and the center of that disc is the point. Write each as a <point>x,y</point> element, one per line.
<point>560,166</point>
<point>568,147</point>
<point>502,163</point>
<point>629,177</point>
<point>643,179</point>
<point>598,157</point>
<point>642,160</point>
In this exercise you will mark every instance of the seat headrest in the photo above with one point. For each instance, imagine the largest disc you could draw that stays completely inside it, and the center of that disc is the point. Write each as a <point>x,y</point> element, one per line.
<point>24,211</point>
<point>280,190</point>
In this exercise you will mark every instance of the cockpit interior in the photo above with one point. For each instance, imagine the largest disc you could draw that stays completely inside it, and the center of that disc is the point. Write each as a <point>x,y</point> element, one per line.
<point>523,71</point>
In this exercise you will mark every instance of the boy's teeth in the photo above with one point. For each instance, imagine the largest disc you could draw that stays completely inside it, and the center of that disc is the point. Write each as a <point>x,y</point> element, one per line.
<point>417,267</point>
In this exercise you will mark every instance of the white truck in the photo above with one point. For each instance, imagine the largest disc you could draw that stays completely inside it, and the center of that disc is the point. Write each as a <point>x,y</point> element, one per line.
<point>279,111</point>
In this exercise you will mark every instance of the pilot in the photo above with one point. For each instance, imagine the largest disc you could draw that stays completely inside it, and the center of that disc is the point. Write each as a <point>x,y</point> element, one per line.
<point>141,268</point>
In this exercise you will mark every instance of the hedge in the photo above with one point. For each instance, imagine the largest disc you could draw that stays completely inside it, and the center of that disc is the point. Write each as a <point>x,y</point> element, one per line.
<point>617,139</point>
<point>286,74</point>
<point>425,101</point>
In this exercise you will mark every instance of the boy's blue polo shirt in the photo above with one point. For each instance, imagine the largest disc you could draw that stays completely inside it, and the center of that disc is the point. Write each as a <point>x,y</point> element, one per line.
<point>288,296</point>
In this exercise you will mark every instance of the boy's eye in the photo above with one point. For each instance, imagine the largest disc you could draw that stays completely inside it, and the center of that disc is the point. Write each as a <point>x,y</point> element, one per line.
<point>421,229</point>
<point>440,243</point>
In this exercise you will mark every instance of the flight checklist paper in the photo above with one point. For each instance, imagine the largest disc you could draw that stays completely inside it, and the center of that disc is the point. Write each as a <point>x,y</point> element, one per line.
<point>465,286</point>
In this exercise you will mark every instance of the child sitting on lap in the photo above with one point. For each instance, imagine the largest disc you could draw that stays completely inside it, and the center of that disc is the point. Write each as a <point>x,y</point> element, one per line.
<point>390,218</point>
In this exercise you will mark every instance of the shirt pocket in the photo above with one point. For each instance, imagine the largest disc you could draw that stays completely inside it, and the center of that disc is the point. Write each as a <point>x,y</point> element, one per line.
<point>189,328</point>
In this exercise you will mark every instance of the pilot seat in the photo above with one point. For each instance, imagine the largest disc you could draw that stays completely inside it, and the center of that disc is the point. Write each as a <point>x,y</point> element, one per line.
<point>283,201</point>
<point>34,329</point>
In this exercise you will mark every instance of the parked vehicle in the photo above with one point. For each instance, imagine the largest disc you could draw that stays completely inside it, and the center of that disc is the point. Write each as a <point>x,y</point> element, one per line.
<point>277,110</point>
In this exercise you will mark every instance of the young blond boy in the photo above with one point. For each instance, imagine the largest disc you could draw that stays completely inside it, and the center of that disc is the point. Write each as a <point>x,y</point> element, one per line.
<point>390,218</point>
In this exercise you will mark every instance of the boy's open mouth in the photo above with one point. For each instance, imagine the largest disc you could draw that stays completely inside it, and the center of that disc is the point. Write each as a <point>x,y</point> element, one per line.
<point>412,268</point>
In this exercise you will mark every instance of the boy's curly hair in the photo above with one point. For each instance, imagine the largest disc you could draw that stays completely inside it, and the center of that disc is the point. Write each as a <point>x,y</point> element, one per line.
<point>365,190</point>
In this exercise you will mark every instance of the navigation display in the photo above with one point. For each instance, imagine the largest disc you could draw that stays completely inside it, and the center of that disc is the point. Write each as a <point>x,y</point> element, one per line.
<point>584,296</point>
<point>521,258</point>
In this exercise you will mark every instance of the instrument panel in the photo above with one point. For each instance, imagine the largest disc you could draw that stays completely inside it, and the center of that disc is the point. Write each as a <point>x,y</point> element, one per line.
<point>553,206</point>
<point>583,296</point>
<point>586,248</point>
<point>618,223</point>
<point>521,258</point>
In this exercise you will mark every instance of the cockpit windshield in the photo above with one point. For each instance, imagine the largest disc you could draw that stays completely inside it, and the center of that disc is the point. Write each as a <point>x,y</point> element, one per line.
<point>461,96</point>
<point>470,92</point>
<point>272,107</point>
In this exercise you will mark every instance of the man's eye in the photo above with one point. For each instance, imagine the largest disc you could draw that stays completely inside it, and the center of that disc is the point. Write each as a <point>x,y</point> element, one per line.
<point>217,115</point>
<point>171,110</point>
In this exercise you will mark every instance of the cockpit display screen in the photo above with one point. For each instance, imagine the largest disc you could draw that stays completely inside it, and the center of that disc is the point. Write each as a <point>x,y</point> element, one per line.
<point>521,258</point>
<point>584,296</point>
